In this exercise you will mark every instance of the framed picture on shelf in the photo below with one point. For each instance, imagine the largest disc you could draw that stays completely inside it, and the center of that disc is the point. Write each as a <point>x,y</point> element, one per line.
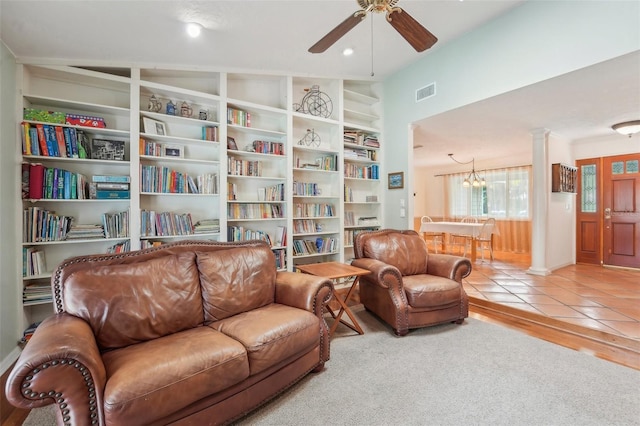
<point>396,180</point>
<point>153,127</point>
<point>175,151</point>
<point>231,143</point>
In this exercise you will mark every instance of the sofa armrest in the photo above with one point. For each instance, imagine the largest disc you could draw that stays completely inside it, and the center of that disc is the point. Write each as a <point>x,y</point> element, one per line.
<point>61,364</point>
<point>448,266</point>
<point>303,291</point>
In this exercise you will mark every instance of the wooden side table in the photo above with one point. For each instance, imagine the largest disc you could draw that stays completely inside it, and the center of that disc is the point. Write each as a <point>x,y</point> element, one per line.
<point>335,271</point>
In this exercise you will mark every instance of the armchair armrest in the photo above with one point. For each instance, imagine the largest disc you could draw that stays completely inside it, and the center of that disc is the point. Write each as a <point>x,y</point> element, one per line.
<point>61,364</point>
<point>382,274</point>
<point>448,266</point>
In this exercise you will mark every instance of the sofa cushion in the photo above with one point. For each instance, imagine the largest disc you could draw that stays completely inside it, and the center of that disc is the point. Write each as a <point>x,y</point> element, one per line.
<point>272,333</point>
<point>428,291</point>
<point>408,253</point>
<point>151,380</point>
<point>132,303</point>
<point>236,280</point>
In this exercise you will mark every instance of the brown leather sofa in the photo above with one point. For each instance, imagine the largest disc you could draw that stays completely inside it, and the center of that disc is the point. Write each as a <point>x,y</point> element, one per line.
<point>194,332</point>
<point>408,287</point>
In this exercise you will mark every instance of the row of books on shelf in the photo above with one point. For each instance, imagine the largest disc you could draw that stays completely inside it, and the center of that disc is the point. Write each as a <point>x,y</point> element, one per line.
<point>305,210</point>
<point>161,179</point>
<point>302,247</point>
<point>153,224</point>
<point>306,189</point>
<point>357,171</point>
<point>349,234</point>
<point>281,258</point>
<point>42,225</point>
<point>306,226</point>
<point>53,183</point>
<point>361,138</point>
<point>240,233</point>
<point>210,133</point>
<point>266,147</point>
<point>255,211</point>
<point>238,117</point>
<point>28,332</point>
<point>240,167</point>
<point>33,262</point>
<point>360,154</point>
<point>326,163</point>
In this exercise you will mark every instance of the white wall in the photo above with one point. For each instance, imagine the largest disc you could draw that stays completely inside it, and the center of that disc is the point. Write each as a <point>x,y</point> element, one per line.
<point>606,146</point>
<point>533,42</point>
<point>10,295</point>
<point>561,209</point>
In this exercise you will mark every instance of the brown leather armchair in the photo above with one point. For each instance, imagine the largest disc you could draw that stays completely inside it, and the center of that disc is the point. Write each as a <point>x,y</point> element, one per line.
<point>408,287</point>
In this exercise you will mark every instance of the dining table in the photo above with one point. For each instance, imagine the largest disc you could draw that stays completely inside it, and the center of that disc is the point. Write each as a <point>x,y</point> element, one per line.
<point>459,228</point>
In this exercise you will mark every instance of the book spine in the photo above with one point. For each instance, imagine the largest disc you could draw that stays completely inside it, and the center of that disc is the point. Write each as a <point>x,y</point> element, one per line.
<point>42,141</point>
<point>112,186</point>
<point>111,178</point>
<point>107,195</point>
<point>36,181</point>
<point>62,146</point>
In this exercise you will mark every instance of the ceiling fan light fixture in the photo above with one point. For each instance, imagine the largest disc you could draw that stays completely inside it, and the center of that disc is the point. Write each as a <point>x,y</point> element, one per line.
<point>194,29</point>
<point>627,128</point>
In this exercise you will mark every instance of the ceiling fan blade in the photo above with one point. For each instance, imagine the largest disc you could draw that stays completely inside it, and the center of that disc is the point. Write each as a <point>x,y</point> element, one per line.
<point>417,35</point>
<point>335,34</point>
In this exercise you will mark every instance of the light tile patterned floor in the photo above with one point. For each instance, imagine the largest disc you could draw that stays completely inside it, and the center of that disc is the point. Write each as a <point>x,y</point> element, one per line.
<point>589,295</point>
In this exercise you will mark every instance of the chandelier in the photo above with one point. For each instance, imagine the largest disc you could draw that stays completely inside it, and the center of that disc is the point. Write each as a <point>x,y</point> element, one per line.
<point>472,179</point>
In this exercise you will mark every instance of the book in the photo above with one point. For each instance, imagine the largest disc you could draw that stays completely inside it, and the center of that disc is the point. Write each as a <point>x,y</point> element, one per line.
<point>107,194</point>
<point>36,181</point>
<point>42,140</point>
<point>112,186</point>
<point>62,145</point>
<point>111,178</point>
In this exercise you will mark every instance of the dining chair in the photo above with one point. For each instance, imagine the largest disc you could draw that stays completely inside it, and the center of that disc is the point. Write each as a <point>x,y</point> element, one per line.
<point>435,238</point>
<point>463,240</point>
<point>484,240</point>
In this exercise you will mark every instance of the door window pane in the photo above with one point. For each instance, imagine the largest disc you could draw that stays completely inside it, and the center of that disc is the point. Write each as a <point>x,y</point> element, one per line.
<point>632,166</point>
<point>589,187</point>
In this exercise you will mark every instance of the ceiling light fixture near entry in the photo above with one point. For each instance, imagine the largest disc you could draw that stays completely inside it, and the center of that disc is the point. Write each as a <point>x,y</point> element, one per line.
<point>627,128</point>
<point>194,29</point>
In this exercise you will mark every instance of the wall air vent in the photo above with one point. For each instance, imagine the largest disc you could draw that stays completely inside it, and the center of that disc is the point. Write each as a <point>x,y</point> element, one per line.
<point>426,92</point>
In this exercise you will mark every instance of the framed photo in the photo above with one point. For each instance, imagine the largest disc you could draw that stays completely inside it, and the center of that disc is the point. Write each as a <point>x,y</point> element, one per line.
<point>153,127</point>
<point>396,180</point>
<point>231,143</point>
<point>175,151</point>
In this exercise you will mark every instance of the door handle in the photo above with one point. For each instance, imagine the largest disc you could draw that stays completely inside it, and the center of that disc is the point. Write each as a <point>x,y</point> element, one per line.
<point>607,213</point>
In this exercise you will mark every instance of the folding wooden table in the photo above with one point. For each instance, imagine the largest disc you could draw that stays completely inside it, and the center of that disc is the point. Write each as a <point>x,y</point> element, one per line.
<point>335,271</point>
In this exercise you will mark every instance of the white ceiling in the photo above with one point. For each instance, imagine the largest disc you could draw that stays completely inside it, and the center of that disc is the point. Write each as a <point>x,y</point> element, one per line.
<point>273,36</point>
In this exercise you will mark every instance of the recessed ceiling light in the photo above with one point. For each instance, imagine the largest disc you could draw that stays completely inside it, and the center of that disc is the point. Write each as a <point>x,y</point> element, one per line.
<point>347,52</point>
<point>193,29</point>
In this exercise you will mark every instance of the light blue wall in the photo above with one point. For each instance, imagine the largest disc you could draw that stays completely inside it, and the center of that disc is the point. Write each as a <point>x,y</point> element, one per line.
<point>10,295</point>
<point>531,43</point>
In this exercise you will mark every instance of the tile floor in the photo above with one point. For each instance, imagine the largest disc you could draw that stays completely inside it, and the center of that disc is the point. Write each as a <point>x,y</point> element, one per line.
<point>600,298</point>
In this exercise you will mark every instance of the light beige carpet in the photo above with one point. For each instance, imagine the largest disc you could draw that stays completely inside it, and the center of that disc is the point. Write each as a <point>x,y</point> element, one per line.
<point>472,374</point>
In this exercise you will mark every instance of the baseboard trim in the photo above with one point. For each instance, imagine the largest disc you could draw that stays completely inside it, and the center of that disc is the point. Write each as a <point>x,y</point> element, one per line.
<point>618,349</point>
<point>8,361</point>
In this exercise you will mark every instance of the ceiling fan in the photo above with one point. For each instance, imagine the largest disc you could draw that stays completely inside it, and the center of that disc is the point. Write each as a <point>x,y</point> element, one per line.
<point>417,35</point>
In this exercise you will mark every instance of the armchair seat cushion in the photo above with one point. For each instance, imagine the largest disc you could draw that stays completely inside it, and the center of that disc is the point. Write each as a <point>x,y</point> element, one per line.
<point>150,380</point>
<point>430,291</point>
<point>271,333</point>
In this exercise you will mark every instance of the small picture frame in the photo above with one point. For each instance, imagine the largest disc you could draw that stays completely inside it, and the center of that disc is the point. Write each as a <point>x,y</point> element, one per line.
<point>153,127</point>
<point>231,143</point>
<point>175,151</point>
<point>396,180</point>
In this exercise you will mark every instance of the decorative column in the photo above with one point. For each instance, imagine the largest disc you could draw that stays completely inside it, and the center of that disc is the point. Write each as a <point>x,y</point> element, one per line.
<point>540,203</point>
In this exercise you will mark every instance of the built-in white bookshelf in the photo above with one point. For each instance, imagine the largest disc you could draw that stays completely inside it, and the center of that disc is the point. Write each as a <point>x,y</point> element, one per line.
<point>210,155</point>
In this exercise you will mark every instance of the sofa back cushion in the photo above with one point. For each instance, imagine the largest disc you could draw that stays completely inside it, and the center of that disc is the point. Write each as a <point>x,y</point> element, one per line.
<point>405,251</point>
<point>136,302</point>
<point>236,280</point>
